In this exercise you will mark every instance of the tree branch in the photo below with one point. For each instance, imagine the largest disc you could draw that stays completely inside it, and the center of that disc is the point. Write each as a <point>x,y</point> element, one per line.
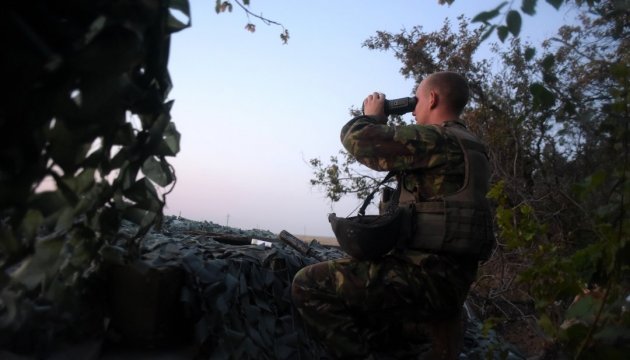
<point>260,17</point>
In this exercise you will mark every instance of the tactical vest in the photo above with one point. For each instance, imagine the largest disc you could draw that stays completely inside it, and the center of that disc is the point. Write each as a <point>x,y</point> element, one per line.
<point>459,223</point>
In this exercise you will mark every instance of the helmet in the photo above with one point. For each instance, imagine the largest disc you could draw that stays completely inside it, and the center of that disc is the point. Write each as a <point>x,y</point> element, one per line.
<point>367,237</point>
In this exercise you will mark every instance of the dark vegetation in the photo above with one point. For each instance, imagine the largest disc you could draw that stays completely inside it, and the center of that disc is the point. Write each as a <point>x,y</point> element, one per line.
<point>85,134</point>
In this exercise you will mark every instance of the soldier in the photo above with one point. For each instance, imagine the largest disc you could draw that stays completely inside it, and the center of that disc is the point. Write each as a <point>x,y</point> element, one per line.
<point>357,308</point>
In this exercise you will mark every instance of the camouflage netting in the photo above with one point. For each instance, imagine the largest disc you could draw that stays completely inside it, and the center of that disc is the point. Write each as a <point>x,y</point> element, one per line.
<point>239,295</point>
<point>236,298</point>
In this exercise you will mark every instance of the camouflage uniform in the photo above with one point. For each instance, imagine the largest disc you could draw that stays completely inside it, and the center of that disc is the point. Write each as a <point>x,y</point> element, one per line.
<point>356,307</point>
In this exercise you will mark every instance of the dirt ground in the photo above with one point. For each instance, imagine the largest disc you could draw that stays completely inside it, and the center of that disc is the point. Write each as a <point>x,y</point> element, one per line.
<point>324,240</point>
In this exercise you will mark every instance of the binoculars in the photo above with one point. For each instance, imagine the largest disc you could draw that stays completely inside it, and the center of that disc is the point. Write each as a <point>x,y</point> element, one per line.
<point>400,106</point>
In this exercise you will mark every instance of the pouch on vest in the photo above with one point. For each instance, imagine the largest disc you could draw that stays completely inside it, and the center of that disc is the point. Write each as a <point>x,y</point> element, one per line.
<point>460,223</point>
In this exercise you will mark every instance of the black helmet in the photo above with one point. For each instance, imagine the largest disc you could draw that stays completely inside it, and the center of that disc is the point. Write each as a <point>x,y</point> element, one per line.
<point>367,237</point>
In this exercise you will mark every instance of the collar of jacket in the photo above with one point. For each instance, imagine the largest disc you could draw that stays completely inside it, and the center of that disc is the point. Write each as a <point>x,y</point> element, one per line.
<point>454,122</point>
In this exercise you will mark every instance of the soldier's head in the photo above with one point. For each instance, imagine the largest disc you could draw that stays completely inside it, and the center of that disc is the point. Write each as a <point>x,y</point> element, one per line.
<point>442,96</point>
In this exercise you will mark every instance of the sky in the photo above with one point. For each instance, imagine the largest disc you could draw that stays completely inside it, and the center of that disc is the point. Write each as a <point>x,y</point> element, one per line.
<point>252,111</point>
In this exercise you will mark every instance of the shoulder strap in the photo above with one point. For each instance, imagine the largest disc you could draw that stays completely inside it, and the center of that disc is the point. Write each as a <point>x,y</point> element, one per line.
<point>369,198</point>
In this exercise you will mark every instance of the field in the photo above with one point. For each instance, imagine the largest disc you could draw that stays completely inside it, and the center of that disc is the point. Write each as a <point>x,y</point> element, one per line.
<point>324,240</point>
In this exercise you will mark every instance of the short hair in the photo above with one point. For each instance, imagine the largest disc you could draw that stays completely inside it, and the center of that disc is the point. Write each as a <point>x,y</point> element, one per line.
<point>452,86</point>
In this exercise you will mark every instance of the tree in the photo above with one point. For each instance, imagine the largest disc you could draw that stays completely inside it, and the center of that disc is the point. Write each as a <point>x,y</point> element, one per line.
<point>85,133</point>
<point>513,17</point>
<point>586,70</point>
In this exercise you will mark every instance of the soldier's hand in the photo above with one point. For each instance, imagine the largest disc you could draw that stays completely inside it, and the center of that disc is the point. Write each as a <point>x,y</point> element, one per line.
<point>374,105</point>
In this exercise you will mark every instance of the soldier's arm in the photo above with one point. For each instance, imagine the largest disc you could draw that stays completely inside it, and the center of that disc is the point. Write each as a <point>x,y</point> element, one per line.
<point>383,148</point>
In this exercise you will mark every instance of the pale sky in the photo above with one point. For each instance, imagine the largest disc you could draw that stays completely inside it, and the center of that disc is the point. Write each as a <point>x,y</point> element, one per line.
<point>252,111</point>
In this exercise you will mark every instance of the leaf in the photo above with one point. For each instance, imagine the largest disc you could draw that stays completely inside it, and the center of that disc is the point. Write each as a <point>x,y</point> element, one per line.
<point>222,6</point>
<point>9,245</point>
<point>156,126</point>
<point>48,202</point>
<point>514,22</point>
<point>83,181</point>
<point>107,221</point>
<point>120,158</point>
<point>250,27</point>
<point>65,219</point>
<point>569,108</point>
<point>596,179</point>
<point>225,6</point>
<point>178,10</point>
<point>548,62</point>
<point>174,24</point>
<point>612,334</point>
<point>284,36</point>
<point>95,158</point>
<point>65,147</point>
<point>555,3</point>
<point>488,325</point>
<point>143,193</point>
<point>138,216</point>
<point>547,325</point>
<point>543,98</point>
<point>530,52</point>
<point>584,308</point>
<point>529,7</point>
<point>549,77</point>
<point>169,146</point>
<point>65,188</point>
<point>157,171</point>
<point>573,332</point>
<point>124,135</point>
<point>484,16</point>
<point>31,223</point>
<point>33,269</point>
<point>502,32</point>
<point>620,70</point>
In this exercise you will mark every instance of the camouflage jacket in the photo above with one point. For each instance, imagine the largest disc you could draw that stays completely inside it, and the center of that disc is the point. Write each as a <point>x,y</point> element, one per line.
<point>431,159</point>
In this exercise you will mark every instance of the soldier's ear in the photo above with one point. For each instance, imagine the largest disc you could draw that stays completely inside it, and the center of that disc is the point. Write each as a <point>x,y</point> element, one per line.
<point>434,99</point>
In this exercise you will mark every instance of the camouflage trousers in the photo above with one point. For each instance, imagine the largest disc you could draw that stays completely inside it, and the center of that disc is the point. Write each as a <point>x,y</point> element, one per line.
<point>357,308</point>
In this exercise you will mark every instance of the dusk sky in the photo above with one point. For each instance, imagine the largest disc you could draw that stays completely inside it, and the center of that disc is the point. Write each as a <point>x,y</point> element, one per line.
<point>252,111</point>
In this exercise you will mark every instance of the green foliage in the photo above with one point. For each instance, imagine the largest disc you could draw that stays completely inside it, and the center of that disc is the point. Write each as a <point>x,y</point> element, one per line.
<point>341,178</point>
<point>486,16</point>
<point>529,7</point>
<point>502,32</point>
<point>85,132</point>
<point>543,98</point>
<point>85,136</point>
<point>529,53</point>
<point>518,225</point>
<point>513,19</point>
<point>555,3</point>
<point>514,22</point>
<point>581,286</point>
